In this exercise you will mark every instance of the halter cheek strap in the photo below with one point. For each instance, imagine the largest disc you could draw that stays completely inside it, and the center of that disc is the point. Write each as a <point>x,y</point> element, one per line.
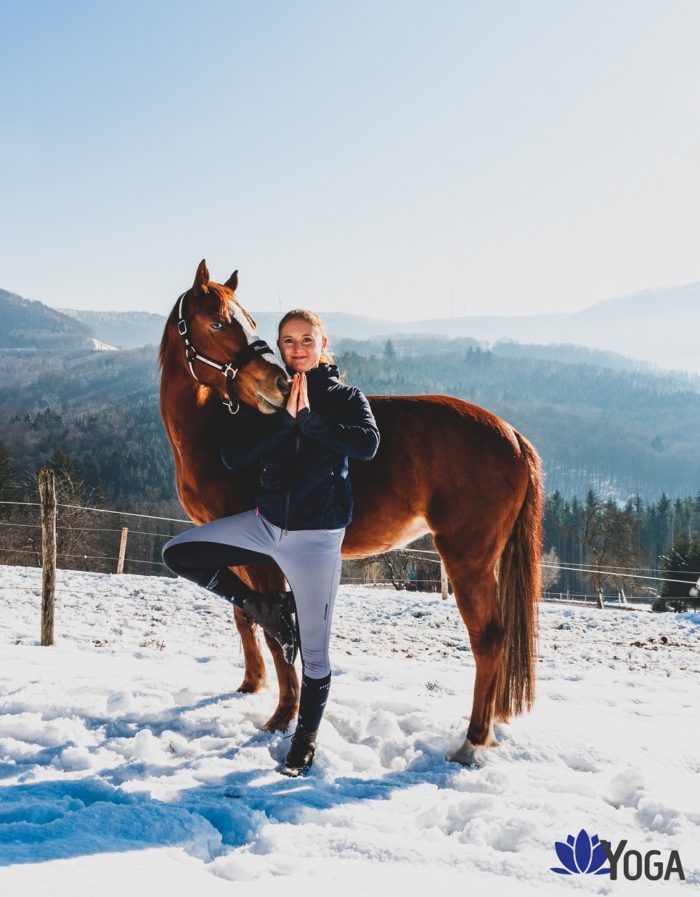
<point>228,368</point>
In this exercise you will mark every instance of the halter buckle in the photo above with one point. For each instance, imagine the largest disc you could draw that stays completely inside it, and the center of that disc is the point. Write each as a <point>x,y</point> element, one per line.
<point>229,370</point>
<point>182,327</point>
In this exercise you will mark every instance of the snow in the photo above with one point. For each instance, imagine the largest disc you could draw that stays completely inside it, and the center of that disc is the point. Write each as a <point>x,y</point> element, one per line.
<point>129,760</point>
<point>99,346</point>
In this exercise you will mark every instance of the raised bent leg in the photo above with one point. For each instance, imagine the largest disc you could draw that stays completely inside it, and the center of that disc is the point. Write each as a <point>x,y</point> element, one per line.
<point>205,555</point>
<point>207,564</point>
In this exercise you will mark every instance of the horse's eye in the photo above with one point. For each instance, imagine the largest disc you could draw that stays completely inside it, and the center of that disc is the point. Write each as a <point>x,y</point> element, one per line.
<point>217,325</point>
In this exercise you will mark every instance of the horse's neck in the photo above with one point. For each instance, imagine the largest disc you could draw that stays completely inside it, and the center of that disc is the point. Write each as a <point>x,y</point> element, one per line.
<point>191,412</point>
<point>195,424</point>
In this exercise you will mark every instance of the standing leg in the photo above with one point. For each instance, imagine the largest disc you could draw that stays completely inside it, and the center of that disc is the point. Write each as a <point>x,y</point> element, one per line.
<point>311,561</point>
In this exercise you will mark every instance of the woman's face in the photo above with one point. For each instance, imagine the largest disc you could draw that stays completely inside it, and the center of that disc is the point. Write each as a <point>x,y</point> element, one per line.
<point>300,344</point>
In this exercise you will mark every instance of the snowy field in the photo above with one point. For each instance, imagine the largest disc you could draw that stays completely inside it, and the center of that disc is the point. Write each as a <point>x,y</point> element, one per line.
<point>129,762</point>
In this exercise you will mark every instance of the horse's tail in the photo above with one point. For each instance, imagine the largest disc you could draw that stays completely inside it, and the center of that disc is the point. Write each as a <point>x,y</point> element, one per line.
<point>518,594</point>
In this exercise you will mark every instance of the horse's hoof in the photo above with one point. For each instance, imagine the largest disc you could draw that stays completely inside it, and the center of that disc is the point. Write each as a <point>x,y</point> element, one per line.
<point>278,722</point>
<point>467,754</point>
<point>250,686</point>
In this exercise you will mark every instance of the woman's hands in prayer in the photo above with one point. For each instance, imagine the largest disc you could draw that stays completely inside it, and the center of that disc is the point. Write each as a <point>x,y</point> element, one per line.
<point>298,396</point>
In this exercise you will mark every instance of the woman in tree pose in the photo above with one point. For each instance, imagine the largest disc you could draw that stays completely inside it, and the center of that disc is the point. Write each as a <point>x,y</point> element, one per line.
<point>303,505</point>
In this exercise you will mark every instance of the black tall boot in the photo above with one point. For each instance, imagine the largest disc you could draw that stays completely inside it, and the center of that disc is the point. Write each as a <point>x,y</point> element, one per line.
<point>314,695</point>
<point>271,610</point>
<point>301,753</point>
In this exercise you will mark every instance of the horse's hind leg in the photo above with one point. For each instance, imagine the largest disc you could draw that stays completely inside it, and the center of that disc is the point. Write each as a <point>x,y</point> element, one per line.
<point>475,588</point>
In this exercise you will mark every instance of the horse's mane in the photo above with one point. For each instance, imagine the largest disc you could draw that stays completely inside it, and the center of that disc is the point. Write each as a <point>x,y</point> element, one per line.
<point>164,339</point>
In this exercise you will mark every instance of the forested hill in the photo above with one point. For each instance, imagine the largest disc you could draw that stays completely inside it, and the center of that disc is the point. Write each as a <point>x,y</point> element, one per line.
<point>28,324</point>
<point>619,431</point>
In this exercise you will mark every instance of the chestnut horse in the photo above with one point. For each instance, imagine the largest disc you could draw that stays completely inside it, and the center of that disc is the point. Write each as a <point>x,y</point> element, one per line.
<point>444,466</point>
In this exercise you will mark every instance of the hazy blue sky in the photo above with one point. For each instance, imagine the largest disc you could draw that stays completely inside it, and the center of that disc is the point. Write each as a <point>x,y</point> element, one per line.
<point>371,157</point>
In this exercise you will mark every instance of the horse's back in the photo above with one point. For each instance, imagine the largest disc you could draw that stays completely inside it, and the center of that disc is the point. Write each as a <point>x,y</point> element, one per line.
<point>443,417</point>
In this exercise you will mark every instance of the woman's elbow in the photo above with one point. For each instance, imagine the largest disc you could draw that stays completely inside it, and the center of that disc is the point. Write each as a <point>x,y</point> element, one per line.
<point>368,449</point>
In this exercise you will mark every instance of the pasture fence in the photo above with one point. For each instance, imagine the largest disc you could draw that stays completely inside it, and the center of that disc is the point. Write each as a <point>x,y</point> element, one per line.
<point>406,568</point>
<point>47,494</point>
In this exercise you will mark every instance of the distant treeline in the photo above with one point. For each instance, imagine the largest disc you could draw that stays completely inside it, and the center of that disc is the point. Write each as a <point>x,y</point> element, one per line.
<point>623,547</point>
<point>620,432</point>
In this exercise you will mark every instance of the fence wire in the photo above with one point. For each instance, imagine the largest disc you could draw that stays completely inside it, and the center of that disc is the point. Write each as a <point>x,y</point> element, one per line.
<point>427,555</point>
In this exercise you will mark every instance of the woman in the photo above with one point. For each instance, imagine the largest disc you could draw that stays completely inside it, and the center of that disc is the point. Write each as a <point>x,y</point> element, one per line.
<point>304,503</point>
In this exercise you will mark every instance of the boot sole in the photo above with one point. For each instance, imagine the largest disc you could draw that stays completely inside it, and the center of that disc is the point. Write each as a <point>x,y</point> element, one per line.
<point>293,772</point>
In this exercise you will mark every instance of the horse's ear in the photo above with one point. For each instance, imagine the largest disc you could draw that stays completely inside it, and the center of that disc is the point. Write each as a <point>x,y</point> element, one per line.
<point>201,278</point>
<point>232,282</point>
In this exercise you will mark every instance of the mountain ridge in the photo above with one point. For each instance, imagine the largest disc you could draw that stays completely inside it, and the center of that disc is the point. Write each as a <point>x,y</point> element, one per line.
<point>29,323</point>
<point>634,325</point>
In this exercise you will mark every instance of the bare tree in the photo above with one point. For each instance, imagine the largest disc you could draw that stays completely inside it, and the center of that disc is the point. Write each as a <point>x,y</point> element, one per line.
<point>612,538</point>
<point>551,570</point>
<point>397,564</point>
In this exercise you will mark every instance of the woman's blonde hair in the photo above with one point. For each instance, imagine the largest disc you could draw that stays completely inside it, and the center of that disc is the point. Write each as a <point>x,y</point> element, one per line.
<point>311,318</point>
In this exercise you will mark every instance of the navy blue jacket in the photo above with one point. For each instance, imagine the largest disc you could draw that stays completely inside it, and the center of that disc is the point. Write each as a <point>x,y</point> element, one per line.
<point>304,480</point>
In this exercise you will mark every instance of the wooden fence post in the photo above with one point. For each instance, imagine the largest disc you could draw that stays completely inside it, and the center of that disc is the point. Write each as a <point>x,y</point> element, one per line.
<point>122,549</point>
<point>443,581</point>
<point>47,498</point>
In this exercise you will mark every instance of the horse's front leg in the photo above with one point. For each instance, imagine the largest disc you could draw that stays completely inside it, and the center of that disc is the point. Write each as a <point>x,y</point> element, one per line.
<point>255,674</point>
<point>289,690</point>
<point>266,579</point>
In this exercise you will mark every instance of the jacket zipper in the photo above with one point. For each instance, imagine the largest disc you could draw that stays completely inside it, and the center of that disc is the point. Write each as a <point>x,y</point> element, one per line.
<point>289,493</point>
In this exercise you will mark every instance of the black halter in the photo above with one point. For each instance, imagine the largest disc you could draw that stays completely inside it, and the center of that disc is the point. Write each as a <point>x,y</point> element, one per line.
<point>229,369</point>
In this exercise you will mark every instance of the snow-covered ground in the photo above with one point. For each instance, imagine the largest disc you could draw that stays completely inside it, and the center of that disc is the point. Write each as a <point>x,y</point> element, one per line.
<point>129,761</point>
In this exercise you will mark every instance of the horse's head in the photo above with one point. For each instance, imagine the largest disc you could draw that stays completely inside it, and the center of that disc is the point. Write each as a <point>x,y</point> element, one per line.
<point>216,337</point>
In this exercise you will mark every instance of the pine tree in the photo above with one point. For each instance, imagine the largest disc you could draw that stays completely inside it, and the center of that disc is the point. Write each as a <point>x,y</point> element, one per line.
<point>62,465</point>
<point>681,562</point>
<point>8,485</point>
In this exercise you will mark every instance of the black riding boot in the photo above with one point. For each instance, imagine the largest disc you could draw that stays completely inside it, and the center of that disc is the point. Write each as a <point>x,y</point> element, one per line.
<point>314,694</point>
<point>301,753</point>
<point>273,611</point>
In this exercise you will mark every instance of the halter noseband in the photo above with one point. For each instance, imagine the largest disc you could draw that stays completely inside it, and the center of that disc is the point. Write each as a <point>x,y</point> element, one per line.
<point>229,369</point>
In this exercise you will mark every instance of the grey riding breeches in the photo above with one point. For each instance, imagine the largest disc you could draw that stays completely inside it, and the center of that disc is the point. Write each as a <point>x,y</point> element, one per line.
<point>309,559</point>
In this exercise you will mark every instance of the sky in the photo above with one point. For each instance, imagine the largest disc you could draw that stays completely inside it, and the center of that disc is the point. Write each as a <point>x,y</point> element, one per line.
<point>390,158</point>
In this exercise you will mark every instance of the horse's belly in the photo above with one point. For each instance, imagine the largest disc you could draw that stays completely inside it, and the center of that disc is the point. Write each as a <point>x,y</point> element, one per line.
<point>365,537</point>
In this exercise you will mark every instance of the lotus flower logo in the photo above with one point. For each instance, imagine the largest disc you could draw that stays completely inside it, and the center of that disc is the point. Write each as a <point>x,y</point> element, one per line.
<point>581,855</point>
